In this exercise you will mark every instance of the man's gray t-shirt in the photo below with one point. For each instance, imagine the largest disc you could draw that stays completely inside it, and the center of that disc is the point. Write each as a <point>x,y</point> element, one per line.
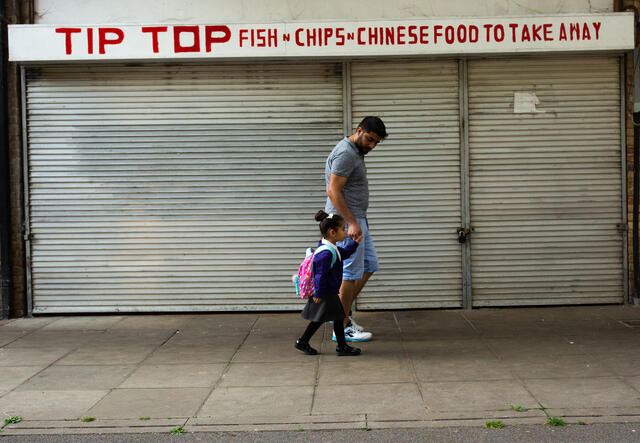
<point>346,161</point>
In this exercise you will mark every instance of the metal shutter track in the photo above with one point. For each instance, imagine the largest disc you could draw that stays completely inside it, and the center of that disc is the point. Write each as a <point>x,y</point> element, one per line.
<point>176,188</point>
<point>546,187</point>
<point>414,179</point>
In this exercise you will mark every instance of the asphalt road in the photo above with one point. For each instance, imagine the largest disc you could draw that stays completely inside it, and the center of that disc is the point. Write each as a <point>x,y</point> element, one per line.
<point>627,432</point>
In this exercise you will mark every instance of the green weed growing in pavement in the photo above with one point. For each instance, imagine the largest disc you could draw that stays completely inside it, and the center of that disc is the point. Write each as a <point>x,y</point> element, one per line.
<point>581,423</point>
<point>88,419</point>
<point>555,421</point>
<point>300,428</point>
<point>519,408</point>
<point>366,428</point>
<point>144,418</point>
<point>497,424</point>
<point>11,421</point>
<point>177,431</point>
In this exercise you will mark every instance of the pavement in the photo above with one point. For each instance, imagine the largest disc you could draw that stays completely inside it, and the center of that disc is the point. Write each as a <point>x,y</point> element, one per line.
<point>240,372</point>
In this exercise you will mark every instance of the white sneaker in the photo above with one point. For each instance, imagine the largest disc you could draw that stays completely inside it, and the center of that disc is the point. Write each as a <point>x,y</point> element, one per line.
<point>355,325</point>
<point>351,334</point>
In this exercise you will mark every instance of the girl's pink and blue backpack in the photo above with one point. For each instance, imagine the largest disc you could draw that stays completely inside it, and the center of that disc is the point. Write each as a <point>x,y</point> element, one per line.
<point>303,280</point>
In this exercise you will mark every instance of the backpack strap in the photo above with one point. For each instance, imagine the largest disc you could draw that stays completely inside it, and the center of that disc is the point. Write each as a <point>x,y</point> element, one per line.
<point>334,254</point>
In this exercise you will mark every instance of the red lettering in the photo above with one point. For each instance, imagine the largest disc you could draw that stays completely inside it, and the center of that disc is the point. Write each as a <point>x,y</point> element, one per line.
<point>351,36</point>
<point>298,41</point>
<point>400,38</point>
<point>373,36</point>
<point>67,37</point>
<point>413,37</point>
<point>449,35</point>
<point>210,39</point>
<point>462,33</point>
<point>596,26</point>
<point>155,30</point>
<point>473,34</point>
<point>389,36</point>
<point>286,37</point>
<point>563,32</point>
<point>243,36</point>
<point>586,35</point>
<point>488,29</point>
<point>536,32</point>
<point>513,27</point>
<point>436,33</point>
<point>574,29</point>
<point>90,40</point>
<point>424,35</point>
<point>177,45</point>
<point>547,32</point>
<point>498,33</point>
<point>328,33</point>
<point>340,36</point>
<point>360,40</point>
<point>312,39</point>
<point>103,41</point>
<point>526,37</point>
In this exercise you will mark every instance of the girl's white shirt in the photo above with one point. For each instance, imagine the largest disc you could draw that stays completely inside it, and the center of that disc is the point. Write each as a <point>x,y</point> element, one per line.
<point>327,242</point>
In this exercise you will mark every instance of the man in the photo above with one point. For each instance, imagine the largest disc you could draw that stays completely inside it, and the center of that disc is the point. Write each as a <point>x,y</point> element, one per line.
<point>348,195</point>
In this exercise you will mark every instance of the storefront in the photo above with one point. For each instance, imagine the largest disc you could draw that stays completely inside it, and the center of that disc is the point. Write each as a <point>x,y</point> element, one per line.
<point>178,168</point>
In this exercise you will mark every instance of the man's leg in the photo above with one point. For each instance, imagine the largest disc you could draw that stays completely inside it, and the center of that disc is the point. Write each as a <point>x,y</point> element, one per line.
<point>349,290</point>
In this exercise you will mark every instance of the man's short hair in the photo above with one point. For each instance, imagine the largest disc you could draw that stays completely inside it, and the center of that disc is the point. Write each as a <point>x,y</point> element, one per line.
<point>375,125</point>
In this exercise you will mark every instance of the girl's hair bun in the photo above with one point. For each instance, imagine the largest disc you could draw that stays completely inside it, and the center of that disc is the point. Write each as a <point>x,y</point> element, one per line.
<point>321,215</point>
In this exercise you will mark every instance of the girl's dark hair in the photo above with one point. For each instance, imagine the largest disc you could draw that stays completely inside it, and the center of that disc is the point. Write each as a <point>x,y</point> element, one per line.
<point>328,222</point>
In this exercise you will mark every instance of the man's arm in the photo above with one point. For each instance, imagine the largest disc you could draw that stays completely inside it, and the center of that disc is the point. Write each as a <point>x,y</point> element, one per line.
<point>334,192</point>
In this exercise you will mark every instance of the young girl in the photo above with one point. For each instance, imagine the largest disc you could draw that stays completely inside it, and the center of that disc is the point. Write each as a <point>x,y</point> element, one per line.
<point>325,305</point>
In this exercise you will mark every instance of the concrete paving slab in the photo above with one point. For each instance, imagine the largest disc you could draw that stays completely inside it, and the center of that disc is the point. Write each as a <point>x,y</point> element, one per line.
<point>107,355</point>
<point>13,376</point>
<point>31,356</point>
<point>174,376</point>
<point>84,322</point>
<point>49,405</point>
<point>398,401</point>
<point>260,350</point>
<point>42,338</point>
<point>29,324</point>
<point>126,337</point>
<point>8,336</point>
<point>193,353</point>
<point>534,349</point>
<point>146,322</point>
<point>626,363</point>
<point>358,370</point>
<point>155,403</point>
<point>485,395</point>
<point>561,366</point>
<point>265,401</point>
<point>74,378</point>
<point>301,373</point>
<point>206,338</point>
<point>462,368</point>
<point>596,392</point>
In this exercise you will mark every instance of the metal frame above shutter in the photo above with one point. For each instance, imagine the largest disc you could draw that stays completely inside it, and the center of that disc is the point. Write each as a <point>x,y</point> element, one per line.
<point>545,181</point>
<point>414,179</point>
<point>176,188</point>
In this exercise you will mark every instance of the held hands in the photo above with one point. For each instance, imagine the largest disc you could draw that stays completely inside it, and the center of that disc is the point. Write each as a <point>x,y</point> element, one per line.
<point>317,300</point>
<point>355,232</point>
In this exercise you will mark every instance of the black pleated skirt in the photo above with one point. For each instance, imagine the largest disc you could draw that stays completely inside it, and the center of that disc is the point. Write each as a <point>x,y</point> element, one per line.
<point>330,309</point>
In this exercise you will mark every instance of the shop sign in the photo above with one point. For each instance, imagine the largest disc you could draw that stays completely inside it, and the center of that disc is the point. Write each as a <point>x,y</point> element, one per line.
<point>451,36</point>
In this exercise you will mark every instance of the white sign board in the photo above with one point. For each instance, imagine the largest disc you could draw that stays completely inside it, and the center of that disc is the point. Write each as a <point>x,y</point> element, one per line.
<point>450,36</point>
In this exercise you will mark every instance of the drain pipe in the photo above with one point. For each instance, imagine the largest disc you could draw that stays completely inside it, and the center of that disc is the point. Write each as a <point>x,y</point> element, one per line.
<point>5,219</point>
<point>636,179</point>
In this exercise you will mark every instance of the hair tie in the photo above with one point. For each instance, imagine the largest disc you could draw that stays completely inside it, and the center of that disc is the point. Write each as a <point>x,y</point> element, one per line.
<point>330,216</point>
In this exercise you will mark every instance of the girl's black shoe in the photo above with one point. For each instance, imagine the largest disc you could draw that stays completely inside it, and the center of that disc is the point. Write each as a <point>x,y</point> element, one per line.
<point>305,347</point>
<point>347,350</point>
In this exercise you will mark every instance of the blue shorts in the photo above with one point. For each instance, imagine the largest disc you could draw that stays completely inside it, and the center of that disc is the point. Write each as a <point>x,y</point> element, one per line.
<point>364,259</point>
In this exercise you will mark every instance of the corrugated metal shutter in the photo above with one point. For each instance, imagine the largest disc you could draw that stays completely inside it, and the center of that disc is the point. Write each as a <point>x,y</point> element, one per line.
<point>414,179</point>
<point>176,188</point>
<point>545,186</point>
